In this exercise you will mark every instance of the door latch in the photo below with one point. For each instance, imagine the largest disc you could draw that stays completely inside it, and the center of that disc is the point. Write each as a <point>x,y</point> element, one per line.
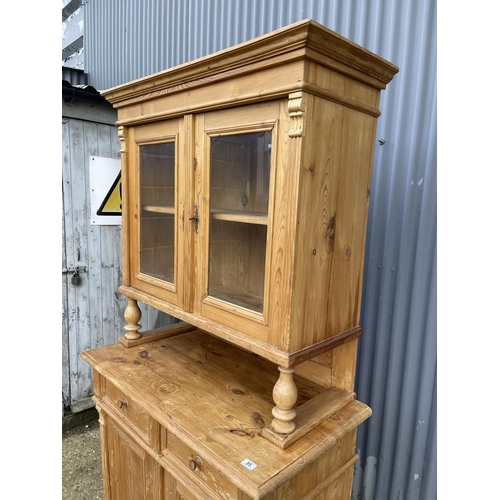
<point>195,219</point>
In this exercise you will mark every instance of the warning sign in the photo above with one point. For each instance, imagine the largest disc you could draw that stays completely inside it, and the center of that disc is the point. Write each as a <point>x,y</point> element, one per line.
<point>112,204</point>
<point>105,191</point>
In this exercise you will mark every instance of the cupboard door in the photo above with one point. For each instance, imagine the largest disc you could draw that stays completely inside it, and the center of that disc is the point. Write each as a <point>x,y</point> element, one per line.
<point>235,202</point>
<point>156,227</point>
<point>175,490</point>
<point>131,473</point>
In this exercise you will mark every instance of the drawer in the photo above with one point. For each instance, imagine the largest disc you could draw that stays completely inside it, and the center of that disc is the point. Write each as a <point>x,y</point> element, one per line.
<point>128,410</point>
<point>198,469</point>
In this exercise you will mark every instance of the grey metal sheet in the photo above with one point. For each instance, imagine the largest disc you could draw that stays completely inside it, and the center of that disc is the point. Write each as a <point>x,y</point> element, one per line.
<point>397,351</point>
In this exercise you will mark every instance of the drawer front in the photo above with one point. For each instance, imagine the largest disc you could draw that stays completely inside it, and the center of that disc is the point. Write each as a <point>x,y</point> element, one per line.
<point>129,410</point>
<point>198,469</point>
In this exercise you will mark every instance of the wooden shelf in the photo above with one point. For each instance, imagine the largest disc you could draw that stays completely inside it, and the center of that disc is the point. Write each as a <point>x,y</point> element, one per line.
<point>219,214</point>
<point>235,297</point>
<point>159,209</point>
<point>236,216</point>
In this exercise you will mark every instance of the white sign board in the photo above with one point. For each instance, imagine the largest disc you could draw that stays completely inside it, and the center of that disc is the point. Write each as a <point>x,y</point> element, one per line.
<point>105,191</point>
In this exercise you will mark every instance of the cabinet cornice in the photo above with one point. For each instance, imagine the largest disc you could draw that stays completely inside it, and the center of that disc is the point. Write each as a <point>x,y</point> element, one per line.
<point>305,40</point>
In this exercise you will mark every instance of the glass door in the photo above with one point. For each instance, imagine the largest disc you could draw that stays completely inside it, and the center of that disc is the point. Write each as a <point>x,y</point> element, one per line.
<point>235,200</point>
<point>240,166</point>
<point>154,242</point>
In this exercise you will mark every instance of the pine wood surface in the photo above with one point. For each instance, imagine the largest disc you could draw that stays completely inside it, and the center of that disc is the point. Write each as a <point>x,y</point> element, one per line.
<point>315,227</point>
<point>147,134</point>
<point>263,215</point>
<point>142,474</point>
<point>217,399</point>
<point>286,279</point>
<point>304,38</point>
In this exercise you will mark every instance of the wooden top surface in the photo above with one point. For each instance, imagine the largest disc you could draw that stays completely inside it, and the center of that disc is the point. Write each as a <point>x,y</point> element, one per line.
<point>307,37</point>
<point>217,398</point>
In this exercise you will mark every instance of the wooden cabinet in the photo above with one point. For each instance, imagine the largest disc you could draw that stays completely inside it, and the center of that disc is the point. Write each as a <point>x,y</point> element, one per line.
<point>245,189</point>
<point>182,418</point>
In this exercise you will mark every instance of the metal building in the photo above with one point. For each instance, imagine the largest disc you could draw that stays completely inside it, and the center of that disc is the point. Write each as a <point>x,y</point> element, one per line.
<point>113,42</point>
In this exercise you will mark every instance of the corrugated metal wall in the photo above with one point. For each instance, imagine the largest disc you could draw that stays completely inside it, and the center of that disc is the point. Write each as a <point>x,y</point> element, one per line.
<point>125,40</point>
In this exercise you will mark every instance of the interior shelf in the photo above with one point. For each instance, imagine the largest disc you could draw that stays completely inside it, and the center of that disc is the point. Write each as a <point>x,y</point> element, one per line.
<point>236,216</point>
<point>159,209</point>
<point>219,214</point>
<point>242,299</point>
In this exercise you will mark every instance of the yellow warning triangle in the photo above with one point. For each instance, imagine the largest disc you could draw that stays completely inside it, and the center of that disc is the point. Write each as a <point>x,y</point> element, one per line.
<point>112,204</point>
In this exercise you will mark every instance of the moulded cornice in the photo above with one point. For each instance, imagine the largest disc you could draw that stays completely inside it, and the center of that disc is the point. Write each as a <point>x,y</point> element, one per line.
<point>305,40</point>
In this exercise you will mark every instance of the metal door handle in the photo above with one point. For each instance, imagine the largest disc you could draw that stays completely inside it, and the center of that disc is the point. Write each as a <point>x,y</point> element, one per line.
<point>195,219</point>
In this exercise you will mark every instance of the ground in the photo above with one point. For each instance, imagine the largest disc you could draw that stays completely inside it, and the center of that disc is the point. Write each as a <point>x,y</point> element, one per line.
<point>81,459</point>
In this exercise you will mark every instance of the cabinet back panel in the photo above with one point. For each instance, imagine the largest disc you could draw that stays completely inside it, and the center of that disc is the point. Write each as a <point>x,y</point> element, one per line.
<point>237,262</point>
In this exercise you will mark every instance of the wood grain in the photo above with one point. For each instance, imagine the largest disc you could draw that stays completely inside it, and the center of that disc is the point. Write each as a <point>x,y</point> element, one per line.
<point>259,245</point>
<point>347,56</point>
<point>284,290</point>
<point>199,389</point>
<point>311,414</point>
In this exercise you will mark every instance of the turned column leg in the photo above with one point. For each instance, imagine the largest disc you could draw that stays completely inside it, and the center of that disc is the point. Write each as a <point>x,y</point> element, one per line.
<point>132,316</point>
<point>285,396</point>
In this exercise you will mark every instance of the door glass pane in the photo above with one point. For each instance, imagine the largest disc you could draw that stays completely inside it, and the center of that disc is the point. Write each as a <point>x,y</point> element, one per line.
<point>157,198</point>
<point>239,197</point>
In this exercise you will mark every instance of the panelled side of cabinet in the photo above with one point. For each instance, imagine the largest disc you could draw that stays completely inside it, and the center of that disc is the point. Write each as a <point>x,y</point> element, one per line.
<point>334,192</point>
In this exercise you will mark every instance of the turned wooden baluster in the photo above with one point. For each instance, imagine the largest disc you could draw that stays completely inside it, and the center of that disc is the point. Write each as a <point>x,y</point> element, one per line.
<point>285,396</point>
<point>132,316</point>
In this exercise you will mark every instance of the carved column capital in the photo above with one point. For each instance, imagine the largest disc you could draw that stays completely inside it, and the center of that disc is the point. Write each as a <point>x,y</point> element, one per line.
<point>122,135</point>
<point>296,110</point>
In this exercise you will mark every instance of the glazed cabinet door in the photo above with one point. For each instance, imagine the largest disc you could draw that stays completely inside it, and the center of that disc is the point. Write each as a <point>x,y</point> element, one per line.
<point>156,189</point>
<point>236,153</point>
<point>130,473</point>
